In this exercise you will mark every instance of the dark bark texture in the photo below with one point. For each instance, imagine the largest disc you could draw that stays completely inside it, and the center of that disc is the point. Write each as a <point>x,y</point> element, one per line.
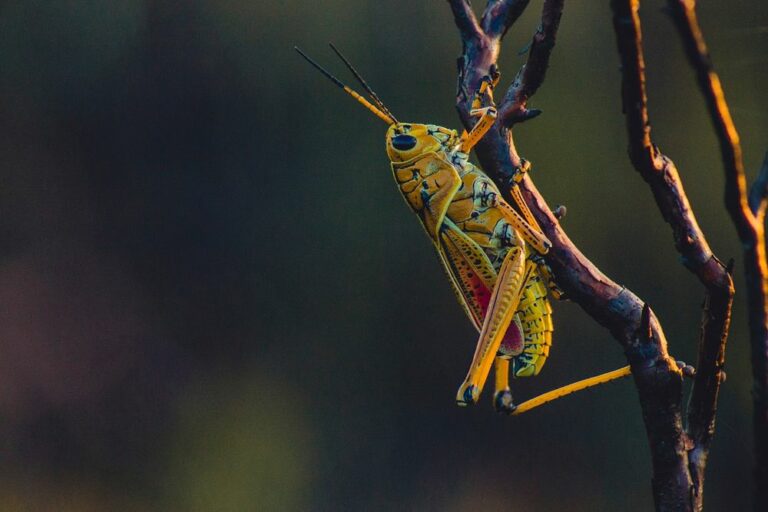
<point>678,454</point>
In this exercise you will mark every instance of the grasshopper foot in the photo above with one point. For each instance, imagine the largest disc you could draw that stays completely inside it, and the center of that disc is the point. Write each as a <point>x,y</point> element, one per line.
<point>503,402</point>
<point>467,395</point>
<point>688,370</point>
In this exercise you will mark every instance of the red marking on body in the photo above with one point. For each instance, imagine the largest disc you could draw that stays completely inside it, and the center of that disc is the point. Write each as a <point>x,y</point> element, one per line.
<point>512,343</point>
<point>481,297</point>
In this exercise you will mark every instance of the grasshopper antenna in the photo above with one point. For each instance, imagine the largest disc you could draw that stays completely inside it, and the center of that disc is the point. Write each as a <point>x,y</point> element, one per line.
<point>362,82</point>
<point>367,104</point>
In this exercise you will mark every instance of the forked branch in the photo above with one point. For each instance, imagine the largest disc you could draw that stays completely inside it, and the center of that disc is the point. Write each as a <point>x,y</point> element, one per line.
<point>630,321</point>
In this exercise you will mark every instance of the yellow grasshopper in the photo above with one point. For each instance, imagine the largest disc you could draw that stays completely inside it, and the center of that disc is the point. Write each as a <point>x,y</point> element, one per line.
<point>490,252</point>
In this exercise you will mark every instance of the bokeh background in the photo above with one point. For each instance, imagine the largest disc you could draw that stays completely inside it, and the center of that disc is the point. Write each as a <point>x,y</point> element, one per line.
<point>212,297</point>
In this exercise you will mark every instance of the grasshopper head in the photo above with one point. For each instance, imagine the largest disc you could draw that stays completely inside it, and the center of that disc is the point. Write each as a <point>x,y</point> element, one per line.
<point>409,140</point>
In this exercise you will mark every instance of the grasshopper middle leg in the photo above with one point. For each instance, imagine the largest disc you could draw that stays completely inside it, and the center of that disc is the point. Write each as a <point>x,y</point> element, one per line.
<point>534,319</point>
<point>502,396</point>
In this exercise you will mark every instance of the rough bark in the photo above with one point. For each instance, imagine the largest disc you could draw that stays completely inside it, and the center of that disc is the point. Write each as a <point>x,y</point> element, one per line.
<point>678,455</point>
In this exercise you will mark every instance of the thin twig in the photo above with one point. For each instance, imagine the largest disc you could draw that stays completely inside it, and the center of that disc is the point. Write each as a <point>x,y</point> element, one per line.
<point>684,15</point>
<point>513,108</point>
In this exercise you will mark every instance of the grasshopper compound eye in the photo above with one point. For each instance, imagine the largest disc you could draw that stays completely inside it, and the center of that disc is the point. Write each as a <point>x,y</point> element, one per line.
<point>403,142</point>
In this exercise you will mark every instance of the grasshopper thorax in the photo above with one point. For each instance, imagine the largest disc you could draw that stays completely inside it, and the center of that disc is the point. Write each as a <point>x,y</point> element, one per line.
<point>409,140</point>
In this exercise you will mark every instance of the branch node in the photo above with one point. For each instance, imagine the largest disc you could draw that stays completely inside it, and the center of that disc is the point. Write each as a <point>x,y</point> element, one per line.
<point>643,354</point>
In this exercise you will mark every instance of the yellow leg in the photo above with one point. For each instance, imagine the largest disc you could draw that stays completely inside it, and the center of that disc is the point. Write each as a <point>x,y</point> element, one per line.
<point>487,118</point>
<point>486,88</point>
<point>518,197</point>
<point>527,224</point>
<point>487,114</point>
<point>504,301</point>
<point>532,236</point>
<point>502,398</point>
<point>501,366</point>
<point>571,388</point>
<point>532,233</point>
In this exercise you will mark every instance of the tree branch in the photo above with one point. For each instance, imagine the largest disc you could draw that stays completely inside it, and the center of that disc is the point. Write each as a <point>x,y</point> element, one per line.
<point>661,175</point>
<point>500,15</point>
<point>657,377</point>
<point>684,17</point>
<point>465,19</point>
<point>513,108</point>
<point>747,214</point>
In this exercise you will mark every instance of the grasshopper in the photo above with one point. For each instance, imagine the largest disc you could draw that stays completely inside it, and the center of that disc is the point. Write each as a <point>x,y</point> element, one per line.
<point>491,254</point>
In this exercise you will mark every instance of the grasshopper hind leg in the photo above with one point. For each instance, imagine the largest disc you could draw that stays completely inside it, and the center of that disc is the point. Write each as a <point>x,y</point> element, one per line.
<point>504,301</point>
<point>535,316</point>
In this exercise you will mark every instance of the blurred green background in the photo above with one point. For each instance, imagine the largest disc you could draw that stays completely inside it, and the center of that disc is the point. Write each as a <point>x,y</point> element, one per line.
<point>213,298</point>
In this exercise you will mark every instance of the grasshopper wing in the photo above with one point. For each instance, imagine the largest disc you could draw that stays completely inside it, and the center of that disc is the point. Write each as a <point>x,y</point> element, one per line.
<point>473,277</point>
<point>469,271</point>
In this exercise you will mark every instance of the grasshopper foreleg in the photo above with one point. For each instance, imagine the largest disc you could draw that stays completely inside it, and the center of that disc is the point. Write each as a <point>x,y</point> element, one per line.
<point>487,114</point>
